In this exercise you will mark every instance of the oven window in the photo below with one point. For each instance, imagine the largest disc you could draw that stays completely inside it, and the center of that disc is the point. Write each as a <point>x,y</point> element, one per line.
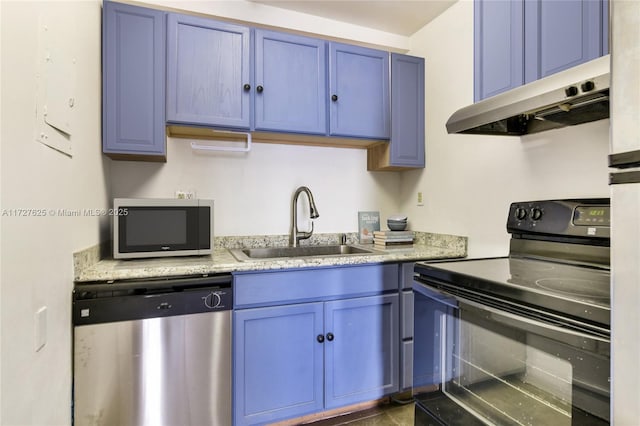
<point>144,226</point>
<point>504,373</point>
<point>498,374</point>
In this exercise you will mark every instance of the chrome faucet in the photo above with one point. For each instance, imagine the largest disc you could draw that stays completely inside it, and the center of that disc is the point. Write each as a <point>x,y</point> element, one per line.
<point>296,235</point>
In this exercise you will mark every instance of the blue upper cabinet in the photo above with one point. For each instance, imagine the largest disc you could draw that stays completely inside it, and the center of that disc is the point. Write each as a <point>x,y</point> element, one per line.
<point>406,148</point>
<point>133,61</point>
<point>290,93</point>
<point>358,91</point>
<point>208,72</point>
<point>498,46</point>
<point>563,34</point>
<point>407,111</point>
<point>519,41</point>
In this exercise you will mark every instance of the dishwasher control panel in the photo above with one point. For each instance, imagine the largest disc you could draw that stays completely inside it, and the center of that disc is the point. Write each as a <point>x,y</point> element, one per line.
<point>113,302</point>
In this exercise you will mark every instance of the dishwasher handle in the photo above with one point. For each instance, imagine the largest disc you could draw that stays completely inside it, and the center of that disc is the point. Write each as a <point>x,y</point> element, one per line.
<point>155,285</point>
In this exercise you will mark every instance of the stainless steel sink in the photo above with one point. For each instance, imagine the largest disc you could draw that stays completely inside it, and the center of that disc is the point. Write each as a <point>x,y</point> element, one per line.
<point>263,253</point>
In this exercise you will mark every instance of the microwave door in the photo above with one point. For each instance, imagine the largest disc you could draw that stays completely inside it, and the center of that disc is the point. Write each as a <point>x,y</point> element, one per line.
<point>162,230</point>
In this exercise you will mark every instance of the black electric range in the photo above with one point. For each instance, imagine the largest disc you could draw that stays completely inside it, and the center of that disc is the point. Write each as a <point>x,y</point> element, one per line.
<point>577,291</point>
<point>558,261</point>
<point>535,322</point>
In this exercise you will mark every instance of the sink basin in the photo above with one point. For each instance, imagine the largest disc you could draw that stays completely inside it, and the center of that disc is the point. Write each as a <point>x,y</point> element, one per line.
<point>302,251</point>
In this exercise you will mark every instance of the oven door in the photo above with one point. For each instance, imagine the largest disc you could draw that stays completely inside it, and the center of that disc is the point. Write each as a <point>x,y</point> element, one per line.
<point>481,363</point>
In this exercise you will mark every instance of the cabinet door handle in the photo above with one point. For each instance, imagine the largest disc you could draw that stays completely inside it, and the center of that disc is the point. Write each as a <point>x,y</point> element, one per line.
<point>320,338</point>
<point>247,87</point>
<point>334,98</point>
<point>330,337</point>
<point>259,89</point>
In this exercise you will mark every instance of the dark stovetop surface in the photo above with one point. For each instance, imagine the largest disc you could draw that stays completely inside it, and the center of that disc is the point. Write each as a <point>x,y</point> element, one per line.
<point>580,291</point>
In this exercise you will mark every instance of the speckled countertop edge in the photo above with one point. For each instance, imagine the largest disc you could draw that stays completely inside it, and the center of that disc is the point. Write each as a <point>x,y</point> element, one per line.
<point>90,267</point>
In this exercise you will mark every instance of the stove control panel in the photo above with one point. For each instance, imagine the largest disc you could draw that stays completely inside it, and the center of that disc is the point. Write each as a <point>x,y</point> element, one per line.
<point>588,218</point>
<point>592,216</point>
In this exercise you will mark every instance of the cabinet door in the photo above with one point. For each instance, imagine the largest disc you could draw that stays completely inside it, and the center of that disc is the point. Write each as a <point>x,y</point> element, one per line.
<point>361,349</point>
<point>290,83</point>
<point>562,34</point>
<point>208,75</point>
<point>277,363</point>
<point>407,111</point>
<point>133,49</point>
<point>498,46</point>
<point>359,92</point>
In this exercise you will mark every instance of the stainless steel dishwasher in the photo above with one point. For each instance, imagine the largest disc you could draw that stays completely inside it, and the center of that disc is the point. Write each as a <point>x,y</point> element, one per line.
<point>154,352</point>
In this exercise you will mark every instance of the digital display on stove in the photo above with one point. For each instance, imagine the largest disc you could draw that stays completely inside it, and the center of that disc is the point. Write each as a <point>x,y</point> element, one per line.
<point>592,216</point>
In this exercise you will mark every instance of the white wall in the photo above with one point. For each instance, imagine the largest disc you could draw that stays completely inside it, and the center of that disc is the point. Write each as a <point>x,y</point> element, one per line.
<point>37,267</point>
<point>253,191</point>
<point>470,180</point>
<point>260,15</point>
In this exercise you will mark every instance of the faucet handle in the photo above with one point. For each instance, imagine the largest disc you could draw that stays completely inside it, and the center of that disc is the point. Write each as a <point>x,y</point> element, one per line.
<point>304,235</point>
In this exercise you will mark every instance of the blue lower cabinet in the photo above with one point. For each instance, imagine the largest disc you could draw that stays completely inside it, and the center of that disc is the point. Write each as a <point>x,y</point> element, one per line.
<point>278,363</point>
<point>361,349</point>
<point>304,358</point>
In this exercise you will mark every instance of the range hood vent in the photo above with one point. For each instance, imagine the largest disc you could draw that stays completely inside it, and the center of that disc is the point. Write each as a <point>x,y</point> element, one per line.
<point>577,95</point>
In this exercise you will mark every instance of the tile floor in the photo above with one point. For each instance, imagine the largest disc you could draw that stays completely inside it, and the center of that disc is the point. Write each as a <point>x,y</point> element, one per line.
<point>392,414</point>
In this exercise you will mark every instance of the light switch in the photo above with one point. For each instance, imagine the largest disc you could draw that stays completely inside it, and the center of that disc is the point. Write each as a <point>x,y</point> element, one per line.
<point>41,328</point>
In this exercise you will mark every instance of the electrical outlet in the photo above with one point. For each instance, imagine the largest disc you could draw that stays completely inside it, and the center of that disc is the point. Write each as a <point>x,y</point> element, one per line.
<point>420,200</point>
<point>185,195</point>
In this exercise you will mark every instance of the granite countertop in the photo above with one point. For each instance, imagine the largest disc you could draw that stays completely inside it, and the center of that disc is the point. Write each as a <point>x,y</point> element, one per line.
<point>90,268</point>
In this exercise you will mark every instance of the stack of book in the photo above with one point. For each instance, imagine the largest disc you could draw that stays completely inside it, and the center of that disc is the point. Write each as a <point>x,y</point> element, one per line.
<point>388,239</point>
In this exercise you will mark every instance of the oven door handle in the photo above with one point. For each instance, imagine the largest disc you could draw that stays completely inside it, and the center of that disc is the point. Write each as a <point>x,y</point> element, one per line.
<point>568,336</point>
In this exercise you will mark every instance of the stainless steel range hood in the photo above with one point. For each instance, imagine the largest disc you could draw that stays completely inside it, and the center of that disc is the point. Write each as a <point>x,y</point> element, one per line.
<point>577,95</point>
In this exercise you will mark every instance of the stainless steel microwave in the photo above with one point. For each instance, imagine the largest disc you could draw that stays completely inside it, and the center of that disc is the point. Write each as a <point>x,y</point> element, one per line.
<point>151,227</point>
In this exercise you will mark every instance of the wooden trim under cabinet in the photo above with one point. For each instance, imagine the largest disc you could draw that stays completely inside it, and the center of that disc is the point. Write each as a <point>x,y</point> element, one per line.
<point>205,133</point>
<point>378,159</point>
<point>336,412</point>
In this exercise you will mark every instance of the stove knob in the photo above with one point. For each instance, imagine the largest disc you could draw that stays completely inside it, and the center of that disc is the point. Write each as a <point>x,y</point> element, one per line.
<point>536,213</point>
<point>520,213</point>
<point>588,86</point>
<point>571,91</point>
